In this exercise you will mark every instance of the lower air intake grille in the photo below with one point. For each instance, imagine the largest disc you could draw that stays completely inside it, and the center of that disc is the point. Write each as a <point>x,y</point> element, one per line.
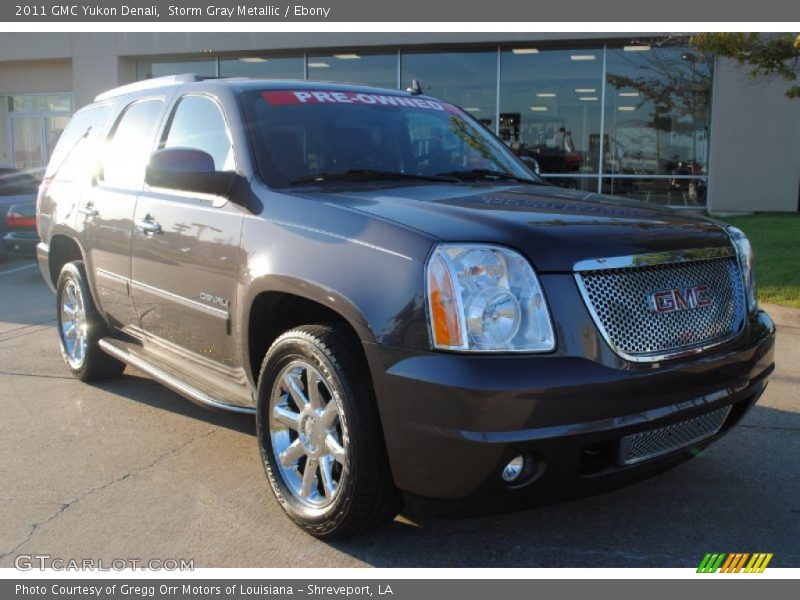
<point>655,442</point>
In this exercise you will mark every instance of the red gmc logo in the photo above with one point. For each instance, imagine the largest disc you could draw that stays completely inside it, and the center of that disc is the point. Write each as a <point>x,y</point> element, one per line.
<point>666,301</point>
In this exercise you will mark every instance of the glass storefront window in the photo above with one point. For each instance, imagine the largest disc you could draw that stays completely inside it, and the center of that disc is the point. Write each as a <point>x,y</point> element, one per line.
<point>35,124</point>
<point>205,67</point>
<point>583,183</point>
<point>40,103</point>
<point>262,67</point>
<point>630,120</point>
<point>379,70</point>
<point>468,79</point>
<point>657,111</point>
<point>550,108</point>
<point>665,191</point>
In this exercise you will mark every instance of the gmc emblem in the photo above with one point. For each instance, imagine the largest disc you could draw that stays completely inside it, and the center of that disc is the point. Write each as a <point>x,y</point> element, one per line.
<point>666,301</point>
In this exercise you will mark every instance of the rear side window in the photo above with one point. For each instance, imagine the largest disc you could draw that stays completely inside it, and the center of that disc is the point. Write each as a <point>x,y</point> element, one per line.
<point>127,150</point>
<point>15,183</point>
<point>198,123</point>
<point>75,154</point>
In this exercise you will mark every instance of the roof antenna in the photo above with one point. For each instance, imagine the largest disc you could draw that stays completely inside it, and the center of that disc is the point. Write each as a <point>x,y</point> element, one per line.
<point>415,89</point>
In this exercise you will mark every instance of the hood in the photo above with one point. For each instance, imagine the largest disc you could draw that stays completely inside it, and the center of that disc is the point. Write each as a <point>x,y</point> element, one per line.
<point>554,227</point>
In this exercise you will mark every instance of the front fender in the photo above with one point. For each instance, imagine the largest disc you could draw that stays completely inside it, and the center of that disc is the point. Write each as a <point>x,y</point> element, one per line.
<point>366,270</point>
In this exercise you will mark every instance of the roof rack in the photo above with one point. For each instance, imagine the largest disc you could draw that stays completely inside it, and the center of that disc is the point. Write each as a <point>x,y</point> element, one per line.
<point>148,84</point>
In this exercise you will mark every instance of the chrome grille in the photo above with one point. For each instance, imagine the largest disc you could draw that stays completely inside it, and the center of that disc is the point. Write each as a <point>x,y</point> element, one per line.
<point>655,442</point>
<point>619,300</point>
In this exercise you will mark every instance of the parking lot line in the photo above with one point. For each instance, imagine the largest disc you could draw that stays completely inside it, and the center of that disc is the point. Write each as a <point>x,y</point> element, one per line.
<point>22,268</point>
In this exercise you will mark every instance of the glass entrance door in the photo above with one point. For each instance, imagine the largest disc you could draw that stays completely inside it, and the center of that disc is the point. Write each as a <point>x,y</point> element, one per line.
<point>26,142</point>
<point>35,124</point>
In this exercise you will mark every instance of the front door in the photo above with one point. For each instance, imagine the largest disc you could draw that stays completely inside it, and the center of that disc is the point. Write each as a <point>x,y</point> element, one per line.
<point>186,249</point>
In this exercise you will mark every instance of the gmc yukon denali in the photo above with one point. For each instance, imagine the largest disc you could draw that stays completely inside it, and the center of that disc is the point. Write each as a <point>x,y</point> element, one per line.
<point>409,311</point>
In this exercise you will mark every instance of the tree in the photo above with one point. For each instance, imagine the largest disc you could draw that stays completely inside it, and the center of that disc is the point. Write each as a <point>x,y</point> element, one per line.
<point>677,83</point>
<point>767,56</point>
<point>673,84</point>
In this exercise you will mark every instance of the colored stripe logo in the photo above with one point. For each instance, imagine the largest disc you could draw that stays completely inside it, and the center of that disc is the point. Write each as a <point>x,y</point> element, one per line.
<point>737,562</point>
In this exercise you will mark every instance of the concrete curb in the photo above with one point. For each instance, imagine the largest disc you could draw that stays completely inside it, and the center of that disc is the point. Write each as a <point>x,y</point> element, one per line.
<point>783,316</point>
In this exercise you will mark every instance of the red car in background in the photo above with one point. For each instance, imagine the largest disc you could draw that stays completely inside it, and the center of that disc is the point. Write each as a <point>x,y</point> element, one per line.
<point>21,237</point>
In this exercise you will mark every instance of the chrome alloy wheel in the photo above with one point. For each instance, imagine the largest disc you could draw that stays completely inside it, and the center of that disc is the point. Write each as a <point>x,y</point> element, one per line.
<point>74,325</point>
<point>308,434</point>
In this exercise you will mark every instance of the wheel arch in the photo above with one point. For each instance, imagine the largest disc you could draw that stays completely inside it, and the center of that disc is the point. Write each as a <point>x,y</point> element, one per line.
<point>62,249</point>
<point>279,303</point>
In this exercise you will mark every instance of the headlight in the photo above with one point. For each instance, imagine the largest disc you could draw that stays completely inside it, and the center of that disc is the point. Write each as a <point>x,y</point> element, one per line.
<point>746,264</point>
<point>486,298</point>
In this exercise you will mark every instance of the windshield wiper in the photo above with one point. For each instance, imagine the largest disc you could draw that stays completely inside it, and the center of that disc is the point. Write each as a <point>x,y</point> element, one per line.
<point>489,174</point>
<point>371,175</point>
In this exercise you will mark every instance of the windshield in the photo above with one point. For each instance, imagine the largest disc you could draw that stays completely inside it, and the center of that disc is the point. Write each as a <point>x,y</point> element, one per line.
<point>306,137</point>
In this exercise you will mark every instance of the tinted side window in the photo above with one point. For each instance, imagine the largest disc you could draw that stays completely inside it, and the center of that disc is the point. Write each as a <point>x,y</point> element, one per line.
<point>75,154</point>
<point>198,123</point>
<point>127,151</point>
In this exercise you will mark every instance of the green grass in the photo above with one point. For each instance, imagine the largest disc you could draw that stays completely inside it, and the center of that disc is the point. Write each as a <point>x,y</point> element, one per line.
<point>776,240</point>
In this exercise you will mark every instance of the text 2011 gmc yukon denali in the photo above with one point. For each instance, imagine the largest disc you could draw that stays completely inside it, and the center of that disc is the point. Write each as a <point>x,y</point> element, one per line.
<point>403,305</point>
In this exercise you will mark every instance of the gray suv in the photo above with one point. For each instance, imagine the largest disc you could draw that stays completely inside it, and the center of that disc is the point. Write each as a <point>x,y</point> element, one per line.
<point>409,311</point>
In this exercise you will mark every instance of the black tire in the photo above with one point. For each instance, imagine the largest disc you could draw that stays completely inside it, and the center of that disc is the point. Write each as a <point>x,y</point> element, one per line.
<point>366,496</point>
<point>94,364</point>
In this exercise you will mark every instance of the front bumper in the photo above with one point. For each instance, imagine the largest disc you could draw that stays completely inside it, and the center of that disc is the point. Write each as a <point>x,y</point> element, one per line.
<point>451,421</point>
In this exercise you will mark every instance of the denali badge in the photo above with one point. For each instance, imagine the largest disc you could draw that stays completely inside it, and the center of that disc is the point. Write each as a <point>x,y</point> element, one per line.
<point>665,301</point>
<point>211,299</point>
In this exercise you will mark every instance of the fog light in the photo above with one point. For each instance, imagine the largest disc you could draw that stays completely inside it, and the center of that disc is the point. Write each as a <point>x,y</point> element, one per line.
<point>513,470</point>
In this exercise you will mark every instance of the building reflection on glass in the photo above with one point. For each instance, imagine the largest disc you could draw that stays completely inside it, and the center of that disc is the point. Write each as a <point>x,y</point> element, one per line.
<point>631,120</point>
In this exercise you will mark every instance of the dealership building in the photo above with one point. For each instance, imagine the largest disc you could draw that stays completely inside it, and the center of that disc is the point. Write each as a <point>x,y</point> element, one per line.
<point>638,115</point>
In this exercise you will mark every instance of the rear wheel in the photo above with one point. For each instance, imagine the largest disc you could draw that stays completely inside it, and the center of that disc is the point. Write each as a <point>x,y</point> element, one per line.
<point>80,327</point>
<point>320,436</point>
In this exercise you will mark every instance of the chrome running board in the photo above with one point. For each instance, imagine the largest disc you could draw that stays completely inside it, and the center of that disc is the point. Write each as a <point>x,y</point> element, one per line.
<point>119,351</point>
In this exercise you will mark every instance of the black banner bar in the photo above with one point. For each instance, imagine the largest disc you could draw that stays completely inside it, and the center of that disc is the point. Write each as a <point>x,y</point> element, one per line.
<point>708,585</point>
<point>255,11</point>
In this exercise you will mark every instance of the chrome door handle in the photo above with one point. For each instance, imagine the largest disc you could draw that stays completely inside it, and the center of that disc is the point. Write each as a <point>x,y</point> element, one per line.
<point>88,210</point>
<point>148,225</point>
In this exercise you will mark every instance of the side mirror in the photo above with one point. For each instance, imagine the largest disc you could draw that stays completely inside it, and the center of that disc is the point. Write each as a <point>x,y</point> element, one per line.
<point>532,164</point>
<point>188,170</point>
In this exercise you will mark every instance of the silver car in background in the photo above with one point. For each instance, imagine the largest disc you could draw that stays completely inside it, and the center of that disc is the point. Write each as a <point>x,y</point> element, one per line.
<point>16,187</point>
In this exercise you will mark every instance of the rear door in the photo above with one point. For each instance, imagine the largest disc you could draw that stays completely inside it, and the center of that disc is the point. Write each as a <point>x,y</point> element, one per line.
<point>185,274</point>
<point>106,210</point>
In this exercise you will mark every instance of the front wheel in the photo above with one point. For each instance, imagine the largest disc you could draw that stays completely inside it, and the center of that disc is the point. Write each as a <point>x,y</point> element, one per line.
<point>80,327</point>
<point>320,436</point>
